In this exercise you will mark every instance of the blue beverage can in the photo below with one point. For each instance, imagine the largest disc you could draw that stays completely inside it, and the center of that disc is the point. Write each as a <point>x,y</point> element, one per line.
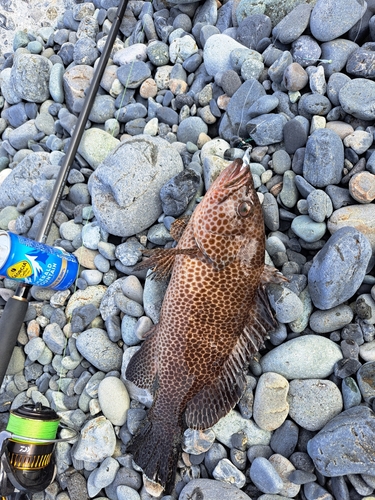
<point>34,263</point>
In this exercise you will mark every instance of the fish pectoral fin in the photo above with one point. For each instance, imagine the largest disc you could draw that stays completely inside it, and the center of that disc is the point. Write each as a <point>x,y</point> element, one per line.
<point>161,261</point>
<point>271,275</point>
<point>143,366</point>
<point>214,400</point>
<point>179,226</point>
<point>262,319</point>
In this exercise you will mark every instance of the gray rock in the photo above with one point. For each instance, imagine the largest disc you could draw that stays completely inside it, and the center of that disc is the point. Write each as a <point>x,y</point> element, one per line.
<point>114,400</point>
<point>366,381</point>
<point>158,53</point>
<point>346,444</point>
<point>97,441</point>
<point>289,359</point>
<point>270,407</point>
<point>264,476</point>
<point>131,75</point>
<point>233,123</point>
<point>314,104</point>
<point>212,490</point>
<point>153,296</point>
<point>127,202</point>
<point>319,205</point>
<point>293,24</point>
<point>252,29</point>
<point>331,320</point>
<point>76,81</point>
<point>19,183</point>
<point>85,51</point>
<point>356,98</point>
<point>313,402</point>
<point>339,268</point>
<point>284,440</point>
<point>335,55</point>
<point>351,394</point>
<point>305,51</point>
<point>217,53</point>
<point>286,303</point>
<point>266,129</point>
<point>56,87</point>
<point>19,137</point>
<point>190,128</point>
<point>335,82</point>
<point>96,145</point>
<point>54,337</point>
<point>96,347</point>
<point>177,193</point>
<point>324,158</point>
<point>30,77</point>
<point>102,109</point>
<point>332,18</point>
<point>263,105</point>
<point>105,473</point>
<point>226,472</point>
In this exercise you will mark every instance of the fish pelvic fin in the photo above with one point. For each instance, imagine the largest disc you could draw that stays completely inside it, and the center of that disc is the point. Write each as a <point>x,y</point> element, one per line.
<point>143,366</point>
<point>161,261</point>
<point>179,226</point>
<point>155,449</point>
<point>271,275</point>
<point>216,399</point>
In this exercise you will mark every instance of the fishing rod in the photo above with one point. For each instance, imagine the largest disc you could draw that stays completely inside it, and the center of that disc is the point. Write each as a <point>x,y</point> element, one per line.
<point>15,310</point>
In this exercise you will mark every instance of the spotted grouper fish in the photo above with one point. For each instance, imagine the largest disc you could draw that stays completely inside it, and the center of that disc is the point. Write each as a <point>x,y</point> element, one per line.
<point>214,318</point>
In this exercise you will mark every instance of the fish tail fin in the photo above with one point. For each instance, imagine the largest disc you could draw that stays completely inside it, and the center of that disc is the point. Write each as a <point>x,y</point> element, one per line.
<point>155,448</point>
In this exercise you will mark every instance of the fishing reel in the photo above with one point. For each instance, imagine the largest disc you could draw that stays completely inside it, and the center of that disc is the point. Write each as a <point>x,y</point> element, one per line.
<point>26,451</point>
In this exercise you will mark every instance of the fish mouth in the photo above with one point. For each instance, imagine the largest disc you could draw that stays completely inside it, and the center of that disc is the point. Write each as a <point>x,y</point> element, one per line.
<point>237,174</point>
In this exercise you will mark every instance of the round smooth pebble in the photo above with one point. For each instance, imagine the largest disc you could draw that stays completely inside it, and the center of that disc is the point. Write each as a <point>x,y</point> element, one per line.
<point>212,490</point>
<point>114,400</point>
<point>331,319</point>
<point>304,395</point>
<point>362,187</point>
<point>307,229</point>
<point>330,284</point>
<point>265,477</point>
<point>348,435</point>
<point>270,407</point>
<point>95,346</point>
<point>284,468</point>
<point>290,361</point>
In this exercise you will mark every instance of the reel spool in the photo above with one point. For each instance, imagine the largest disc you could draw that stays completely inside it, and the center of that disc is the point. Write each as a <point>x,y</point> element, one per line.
<point>26,451</point>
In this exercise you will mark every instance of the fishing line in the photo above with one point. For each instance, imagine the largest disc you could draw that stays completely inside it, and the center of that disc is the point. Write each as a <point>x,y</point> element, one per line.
<point>32,428</point>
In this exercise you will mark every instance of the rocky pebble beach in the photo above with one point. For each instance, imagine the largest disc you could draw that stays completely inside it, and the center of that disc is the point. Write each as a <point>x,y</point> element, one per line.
<point>188,88</point>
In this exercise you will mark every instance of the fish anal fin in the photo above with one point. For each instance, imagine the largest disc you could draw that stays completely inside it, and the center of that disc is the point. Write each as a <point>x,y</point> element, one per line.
<point>271,275</point>
<point>143,366</point>
<point>179,226</point>
<point>161,261</point>
<point>214,401</point>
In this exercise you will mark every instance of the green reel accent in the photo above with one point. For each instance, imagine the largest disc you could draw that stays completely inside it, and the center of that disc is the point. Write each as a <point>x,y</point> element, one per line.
<point>33,424</point>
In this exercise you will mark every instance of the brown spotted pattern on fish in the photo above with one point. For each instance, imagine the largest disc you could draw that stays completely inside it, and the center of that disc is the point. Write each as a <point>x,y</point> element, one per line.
<point>214,318</point>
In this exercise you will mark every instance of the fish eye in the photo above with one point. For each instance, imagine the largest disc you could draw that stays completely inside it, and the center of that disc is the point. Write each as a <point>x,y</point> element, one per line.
<point>244,208</point>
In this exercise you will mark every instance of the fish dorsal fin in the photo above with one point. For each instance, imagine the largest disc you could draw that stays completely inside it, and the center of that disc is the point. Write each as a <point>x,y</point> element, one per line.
<point>217,398</point>
<point>143,366</point>
<point>161,261</point>
<point>179,226</point>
